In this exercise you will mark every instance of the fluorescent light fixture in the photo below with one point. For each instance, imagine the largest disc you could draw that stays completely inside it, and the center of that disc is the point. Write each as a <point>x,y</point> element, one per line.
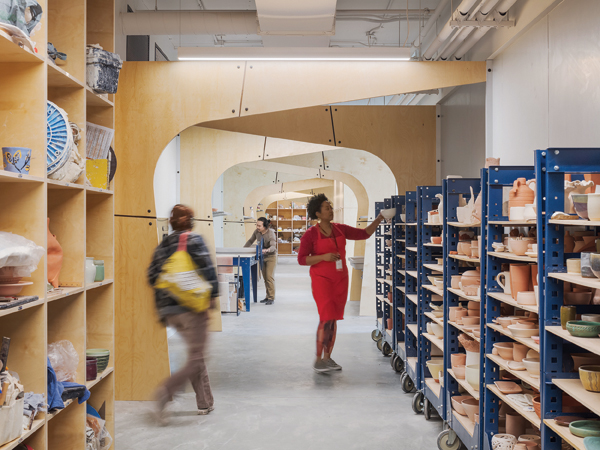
<point>293,54</point>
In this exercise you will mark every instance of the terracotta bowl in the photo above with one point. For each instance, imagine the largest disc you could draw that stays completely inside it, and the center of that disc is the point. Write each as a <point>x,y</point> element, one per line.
<point>471,290</point>
<point>590,378</point>
<point>505,350</point>
<point>504,321</point>
<point>464,248</point>
<point>518,246</point>
<point>473,305</point>
<point>477,333</point>
<point>472,376</point>
<point>577,298</point>
<point>537,406</point>
<point>459,371</point>
<point>518,331</point>
<point>457,403</point>
<point>519,351</point>
<point>436,239</point>
<point>452,312</point>
<point>471,407</point>
<point>473,313</point>
<point>457,359</point>
<point>470,320</point>
<point>461,313</point>
<point>526,324</point>
<point>514,320</point>
<point>7,275</point>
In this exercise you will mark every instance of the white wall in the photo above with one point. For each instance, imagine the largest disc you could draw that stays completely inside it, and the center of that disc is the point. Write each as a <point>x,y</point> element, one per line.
<point>546,86</point>
<point>166,180</point>
<point>463,131</point>
<point>217,203</point>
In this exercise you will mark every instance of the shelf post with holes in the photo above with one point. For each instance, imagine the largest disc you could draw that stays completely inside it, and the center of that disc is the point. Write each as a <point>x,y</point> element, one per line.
<point>398,275</point>
<point>379,331</point>
<point>456,193</point>
<point>431,393</point>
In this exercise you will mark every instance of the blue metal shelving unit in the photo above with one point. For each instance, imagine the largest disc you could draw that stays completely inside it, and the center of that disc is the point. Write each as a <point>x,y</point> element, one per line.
<point>410,379</point>
<point>387,286</point>
<point>398,275</point>
<point>558,378</point>
<point>380,260</point>
<point>460,426</point>
<point>430,396</point>
<point>499,180</point>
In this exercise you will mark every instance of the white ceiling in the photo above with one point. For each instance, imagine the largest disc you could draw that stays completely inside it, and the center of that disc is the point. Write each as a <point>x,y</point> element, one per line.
<point>354,33</point>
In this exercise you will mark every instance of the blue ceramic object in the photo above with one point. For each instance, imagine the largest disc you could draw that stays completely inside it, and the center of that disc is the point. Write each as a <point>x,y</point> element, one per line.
<point>59,138</point>
<point>591,443</point>
<point>16,159</point>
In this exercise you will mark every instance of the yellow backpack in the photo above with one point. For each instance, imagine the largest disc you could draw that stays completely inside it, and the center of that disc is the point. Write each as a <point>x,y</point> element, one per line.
<point>179,277</point>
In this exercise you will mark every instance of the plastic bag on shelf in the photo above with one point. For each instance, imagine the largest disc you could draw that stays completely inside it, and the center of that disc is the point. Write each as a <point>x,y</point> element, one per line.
<point>103,439</point>
<point>18,252</point>
<point>24,14</point>
<point>64,360</point>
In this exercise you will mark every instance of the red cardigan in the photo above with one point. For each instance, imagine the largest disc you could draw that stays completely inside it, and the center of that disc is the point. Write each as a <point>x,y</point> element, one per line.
<point>312,235</point>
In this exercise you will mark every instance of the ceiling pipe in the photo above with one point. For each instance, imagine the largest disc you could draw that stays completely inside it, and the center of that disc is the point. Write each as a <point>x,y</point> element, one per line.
<point>480,13</point>
<point>462,11</point>
<point>202,22</point>
<point>502,10</point>
<point>431,22</point>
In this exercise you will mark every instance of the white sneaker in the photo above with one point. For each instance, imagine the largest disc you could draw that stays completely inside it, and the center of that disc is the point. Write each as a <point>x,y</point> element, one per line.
<point>332,364</point>
<point>320,366</point>
<point>205,411</point>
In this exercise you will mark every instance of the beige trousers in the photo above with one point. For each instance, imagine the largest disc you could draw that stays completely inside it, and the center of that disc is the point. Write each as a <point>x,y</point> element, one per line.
<point>270,262</point>
<point>193,328</point>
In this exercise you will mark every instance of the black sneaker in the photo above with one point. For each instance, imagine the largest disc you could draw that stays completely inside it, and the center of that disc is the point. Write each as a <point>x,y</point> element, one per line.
<point>264,300</point>
<point>269,302</point>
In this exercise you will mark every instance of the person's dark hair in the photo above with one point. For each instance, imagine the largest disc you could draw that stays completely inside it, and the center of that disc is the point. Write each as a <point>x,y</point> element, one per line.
<point>181,218</point>
<point>314,205</point>
<point>266,222</point>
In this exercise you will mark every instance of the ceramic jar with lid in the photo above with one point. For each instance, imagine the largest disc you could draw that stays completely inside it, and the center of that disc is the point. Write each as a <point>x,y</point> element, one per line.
<point>471,277</point>
<point>99,270</point>
<point>90,270</point>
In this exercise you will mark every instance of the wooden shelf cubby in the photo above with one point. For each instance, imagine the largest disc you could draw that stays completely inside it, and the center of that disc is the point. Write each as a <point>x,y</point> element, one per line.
<point>81,217</point>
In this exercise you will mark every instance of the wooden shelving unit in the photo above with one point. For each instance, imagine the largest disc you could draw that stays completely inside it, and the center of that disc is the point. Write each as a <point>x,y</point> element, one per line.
<point>81,217</point>
<point>281,214</point>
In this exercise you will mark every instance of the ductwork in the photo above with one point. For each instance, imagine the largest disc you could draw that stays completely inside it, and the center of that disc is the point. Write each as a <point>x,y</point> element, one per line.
<point>431,22</point>
<point>189,23</point>
<point>462,12</point>
<point>479,13</point>
<point>502,10</point>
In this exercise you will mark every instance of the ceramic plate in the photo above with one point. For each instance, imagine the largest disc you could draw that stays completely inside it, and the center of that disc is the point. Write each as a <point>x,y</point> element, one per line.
<point>585,428</point>
<point>531,254</point>
<point>564,421</point>
<point>591,443</point>
<point>508,387</point>
<point>516,365</point>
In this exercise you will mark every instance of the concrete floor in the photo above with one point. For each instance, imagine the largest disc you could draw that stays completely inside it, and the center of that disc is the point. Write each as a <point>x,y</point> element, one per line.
<point>267,396</point>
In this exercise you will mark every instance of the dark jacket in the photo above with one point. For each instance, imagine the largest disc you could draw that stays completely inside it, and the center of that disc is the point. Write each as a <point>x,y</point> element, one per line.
<point>165,304</point>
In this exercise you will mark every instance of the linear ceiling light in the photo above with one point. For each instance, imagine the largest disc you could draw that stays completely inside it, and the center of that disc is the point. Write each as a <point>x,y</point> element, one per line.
<point>293,54</point>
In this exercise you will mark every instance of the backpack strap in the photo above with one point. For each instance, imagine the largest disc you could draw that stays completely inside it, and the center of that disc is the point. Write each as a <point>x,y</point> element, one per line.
<point>182,247</point>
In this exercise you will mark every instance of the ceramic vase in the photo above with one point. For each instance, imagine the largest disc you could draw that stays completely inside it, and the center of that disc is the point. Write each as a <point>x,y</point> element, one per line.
<point>567,313</point>
<point>516,424</point>
<point>55,258</point>
<point>534,276</point>
<point>503,442</point>
<point>16,159</point>
<point>520,277</point>
<point>520,194</point>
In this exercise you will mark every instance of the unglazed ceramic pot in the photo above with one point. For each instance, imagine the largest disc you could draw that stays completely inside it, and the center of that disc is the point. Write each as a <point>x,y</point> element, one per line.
<point>471,277</point>
<point>516,424</point>
<point>519,351</point>
<point>520,276</point>
<point>520,194</point>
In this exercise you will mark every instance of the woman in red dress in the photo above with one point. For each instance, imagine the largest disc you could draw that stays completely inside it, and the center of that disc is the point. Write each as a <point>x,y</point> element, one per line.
<point>323,247</point>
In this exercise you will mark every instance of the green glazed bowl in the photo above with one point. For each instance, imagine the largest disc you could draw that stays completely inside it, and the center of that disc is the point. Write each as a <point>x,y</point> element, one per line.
<point>585,428</point>
<point>591,443</point>
<point>580,328</point>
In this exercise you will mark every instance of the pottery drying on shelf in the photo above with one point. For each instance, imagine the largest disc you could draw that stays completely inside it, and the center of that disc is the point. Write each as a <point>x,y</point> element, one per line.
<point>508,387</point>
<point>521,194</point>
<point>520,277</point>
<point>585,428</point>
<point>575,188</point>
<point>503,442</point>
<point>590,378</point>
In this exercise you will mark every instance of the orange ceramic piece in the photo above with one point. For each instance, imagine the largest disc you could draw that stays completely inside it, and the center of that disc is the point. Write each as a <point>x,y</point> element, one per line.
<point>520,277</point>
<point>520,194</point>
<point>55,258</point>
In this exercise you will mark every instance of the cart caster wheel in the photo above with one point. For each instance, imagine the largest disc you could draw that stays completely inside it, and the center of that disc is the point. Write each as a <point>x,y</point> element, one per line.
<point>417,403</point>
<point>392,359</point>
<point>386,349</point>
<point>444,439</point>
<point>407,384</point>
<point>428,409</point>
<point>380,344</point>
<point>376,335</point>
<point>398,364</point>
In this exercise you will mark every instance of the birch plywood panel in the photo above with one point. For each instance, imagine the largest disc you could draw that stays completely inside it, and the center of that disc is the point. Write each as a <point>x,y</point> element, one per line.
<point>404,138</point>
<point>199,92</point>
<point>141,351</point>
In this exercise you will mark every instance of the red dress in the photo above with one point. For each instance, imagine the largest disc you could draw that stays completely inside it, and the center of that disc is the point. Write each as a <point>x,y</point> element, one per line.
<point>329,285</point>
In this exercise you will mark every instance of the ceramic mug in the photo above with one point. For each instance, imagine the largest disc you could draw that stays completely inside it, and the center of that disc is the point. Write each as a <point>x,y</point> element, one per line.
<point>573,265</point>
<point>16,159</point>
<point>504,284</point>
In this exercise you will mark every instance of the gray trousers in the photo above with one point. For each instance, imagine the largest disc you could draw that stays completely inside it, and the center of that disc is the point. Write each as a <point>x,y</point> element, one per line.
<point>193,328</point>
